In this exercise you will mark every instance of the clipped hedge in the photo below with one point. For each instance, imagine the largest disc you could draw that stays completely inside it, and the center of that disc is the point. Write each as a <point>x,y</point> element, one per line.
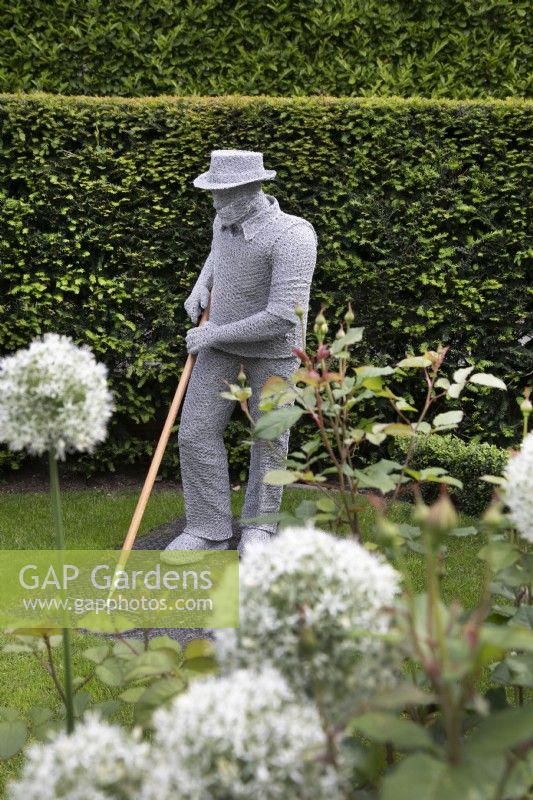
<point>465,461</point>
<point>437,48</point>
<point>420,208</point>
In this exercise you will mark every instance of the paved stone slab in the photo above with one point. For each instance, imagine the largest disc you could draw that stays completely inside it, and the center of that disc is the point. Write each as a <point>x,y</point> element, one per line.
<point>157,539</point>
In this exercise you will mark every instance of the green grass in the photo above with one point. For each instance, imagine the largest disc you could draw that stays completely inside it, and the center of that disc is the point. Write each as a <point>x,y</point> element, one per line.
<point>96,519</point>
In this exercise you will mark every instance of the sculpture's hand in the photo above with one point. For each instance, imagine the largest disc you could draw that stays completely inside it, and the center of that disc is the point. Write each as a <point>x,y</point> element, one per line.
<point>202,336</point>
<point>196,302</point>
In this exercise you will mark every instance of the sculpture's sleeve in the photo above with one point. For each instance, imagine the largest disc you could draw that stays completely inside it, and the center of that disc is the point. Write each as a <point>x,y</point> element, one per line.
<point>293,263</point>
<point>205,278</point>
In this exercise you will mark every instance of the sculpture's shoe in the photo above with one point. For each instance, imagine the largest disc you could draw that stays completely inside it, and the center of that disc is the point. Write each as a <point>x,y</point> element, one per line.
<point>251,536</point>
<point>187,541</point>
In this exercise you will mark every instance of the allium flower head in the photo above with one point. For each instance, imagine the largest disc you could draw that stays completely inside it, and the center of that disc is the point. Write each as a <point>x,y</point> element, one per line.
<point>310,602</point>
<point>519,488</point>
<point>241,737</point>
<point>53,396</point>
<point>97,762</point>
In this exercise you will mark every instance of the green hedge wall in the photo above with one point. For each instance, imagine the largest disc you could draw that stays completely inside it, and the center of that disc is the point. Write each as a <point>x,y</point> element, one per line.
<point>420,208</point>
<point>435,48</point>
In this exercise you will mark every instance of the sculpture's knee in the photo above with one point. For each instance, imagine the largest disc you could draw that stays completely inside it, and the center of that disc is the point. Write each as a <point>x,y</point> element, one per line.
<point>190,432</point>
<point>197,429</point>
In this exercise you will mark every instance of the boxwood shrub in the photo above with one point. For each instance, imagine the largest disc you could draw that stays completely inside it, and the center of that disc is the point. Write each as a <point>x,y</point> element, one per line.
<point>467,461</point>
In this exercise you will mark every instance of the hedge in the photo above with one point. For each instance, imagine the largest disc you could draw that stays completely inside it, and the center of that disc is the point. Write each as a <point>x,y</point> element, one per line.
<point>436,48</point>
<point>420,208</point>
<point>467,461</point>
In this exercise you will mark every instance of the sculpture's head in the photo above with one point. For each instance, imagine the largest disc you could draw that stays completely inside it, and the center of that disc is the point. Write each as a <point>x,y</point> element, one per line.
<point>224,197</point>
<point>233,174</point>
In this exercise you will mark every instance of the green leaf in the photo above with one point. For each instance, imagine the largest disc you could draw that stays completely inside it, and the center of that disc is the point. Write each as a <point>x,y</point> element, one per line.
<point>280,477</point>
<point>153,663</point>
<point>500,732</point>
<point>165,643</point>
<point>402,733</point>
<point>455,390</point>
<point>442,383</point>
<point>42,721</point>
<point>352,336</point>
<point>273,423</point>
<point>495,479</point>
<point>13,735</point>
<point>422,777</point>
<point>132,694</point>
<point>499,555</point>
<point>110,672</point>
<point>508,637</point>
<point>199,648</point>
<point>486,379</point>
<point>460,532</point>
<point>368,371</point>
<point>374,478</point>
<point>326,504</point>
<point>448,419</point>
<point>157,694</point>
<point>460,375</point>
<point>523,617</point>
<point>415,361</point>
<point>106,707</point>
<point>81,701</point>
<point>399,429</point>
<point>515,670</point>
<point>401,696</point>
<point>97,654</point>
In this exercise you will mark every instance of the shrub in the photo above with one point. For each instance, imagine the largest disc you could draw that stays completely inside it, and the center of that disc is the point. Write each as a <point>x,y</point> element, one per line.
<point>466,461</point>
<point>340,47</point>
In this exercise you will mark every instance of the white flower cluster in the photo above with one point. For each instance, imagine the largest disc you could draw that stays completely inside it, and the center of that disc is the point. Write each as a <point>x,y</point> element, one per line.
<point>53,396</point>
<point>519,488</point>
<point>97,762</point>
<point>312,605</point>
<point>240,737</point>
<point>243,737</point>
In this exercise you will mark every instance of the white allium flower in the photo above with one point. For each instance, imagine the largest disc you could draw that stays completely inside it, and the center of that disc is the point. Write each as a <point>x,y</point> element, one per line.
<point>53,396</point>
<point>519,488</point>
<point>240,737</point>
<point>310,602</point>
<point>98,761</point>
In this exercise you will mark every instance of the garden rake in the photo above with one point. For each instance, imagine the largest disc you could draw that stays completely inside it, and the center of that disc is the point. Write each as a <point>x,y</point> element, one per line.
<point>129,541</point>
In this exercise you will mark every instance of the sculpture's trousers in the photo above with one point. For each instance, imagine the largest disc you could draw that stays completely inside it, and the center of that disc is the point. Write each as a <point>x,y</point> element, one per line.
<point>203,457</point>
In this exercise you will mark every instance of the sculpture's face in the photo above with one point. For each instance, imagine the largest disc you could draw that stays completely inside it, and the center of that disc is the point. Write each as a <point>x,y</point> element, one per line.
<point>223,197</point>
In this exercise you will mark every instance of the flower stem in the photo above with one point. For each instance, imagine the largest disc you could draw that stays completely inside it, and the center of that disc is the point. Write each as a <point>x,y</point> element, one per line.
<point>60,546</point>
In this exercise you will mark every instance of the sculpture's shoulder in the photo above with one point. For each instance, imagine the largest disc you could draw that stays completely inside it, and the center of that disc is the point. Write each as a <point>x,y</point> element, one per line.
<point>298,226</point>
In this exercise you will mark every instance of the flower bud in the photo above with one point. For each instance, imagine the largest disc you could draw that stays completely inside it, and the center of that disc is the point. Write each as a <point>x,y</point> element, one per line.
<point>349,316</point>
<point>322,352</point>
<point>241,377</point>
<point>302,355</point>
<point>321,325</point>
<point>299,310</point>
<point>493,516</point>
<point>340,333</point>
<point>420,512</point>
<point>526,407</point>
<point>442,515</point>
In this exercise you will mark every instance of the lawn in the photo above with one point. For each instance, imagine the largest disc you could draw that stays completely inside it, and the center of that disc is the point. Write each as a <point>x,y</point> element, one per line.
<point>98,519</point>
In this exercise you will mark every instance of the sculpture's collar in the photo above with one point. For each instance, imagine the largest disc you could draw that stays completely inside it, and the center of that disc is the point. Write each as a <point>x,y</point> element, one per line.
<point>252,225</point>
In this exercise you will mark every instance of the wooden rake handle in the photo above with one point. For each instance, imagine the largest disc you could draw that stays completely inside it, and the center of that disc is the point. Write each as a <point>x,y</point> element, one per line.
<point>161,446</point>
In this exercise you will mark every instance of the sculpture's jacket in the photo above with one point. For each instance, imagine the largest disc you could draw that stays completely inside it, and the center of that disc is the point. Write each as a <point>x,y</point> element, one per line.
<point>258,270</point>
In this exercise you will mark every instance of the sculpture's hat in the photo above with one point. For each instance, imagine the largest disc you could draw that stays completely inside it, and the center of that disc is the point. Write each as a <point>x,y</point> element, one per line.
<point>230,168</point>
